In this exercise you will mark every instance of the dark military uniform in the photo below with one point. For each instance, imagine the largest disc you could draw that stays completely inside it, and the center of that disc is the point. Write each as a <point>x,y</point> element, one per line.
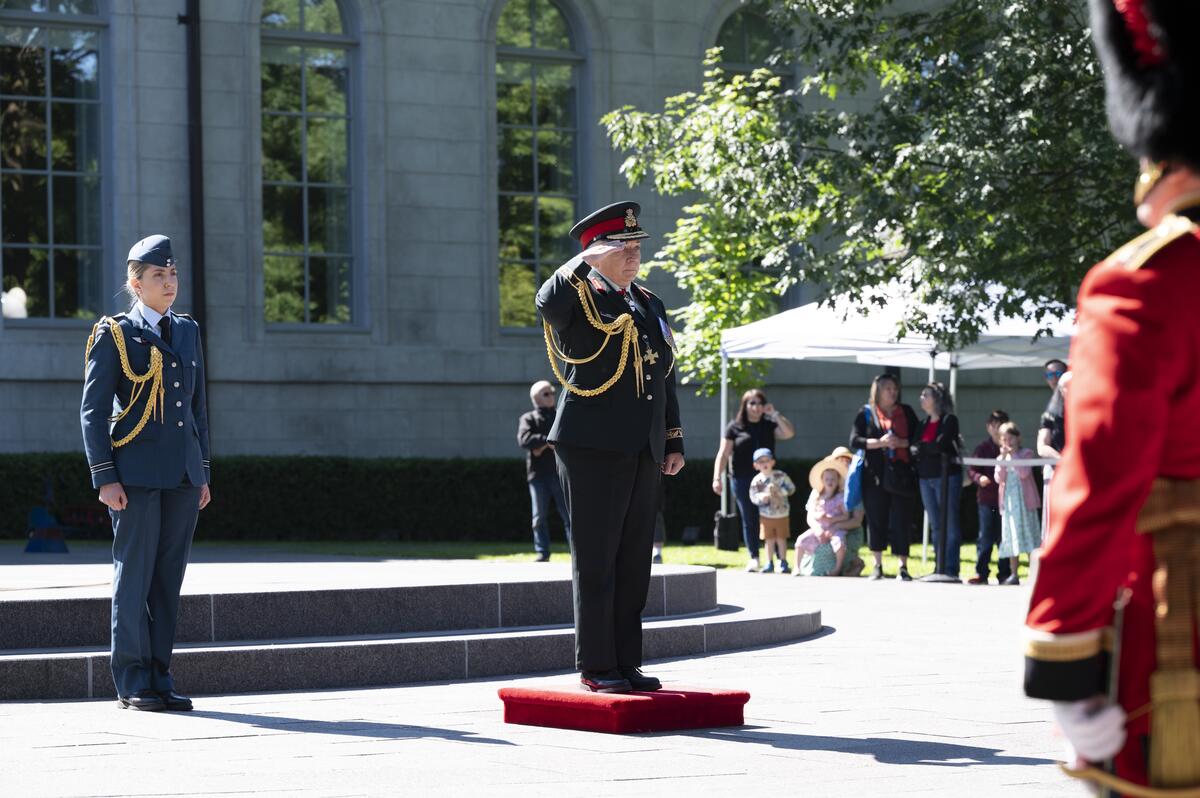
<point>158,451</point>
<point>610,446</point>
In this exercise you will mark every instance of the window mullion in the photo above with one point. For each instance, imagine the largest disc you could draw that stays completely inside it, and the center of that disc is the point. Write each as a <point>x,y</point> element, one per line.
<point>49,183</point>
<point>304,170</point>
<point>533,24</point>
<point>533,148</point>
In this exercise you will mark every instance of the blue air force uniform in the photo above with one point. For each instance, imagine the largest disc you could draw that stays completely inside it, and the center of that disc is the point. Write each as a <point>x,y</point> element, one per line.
<point>617,420</point>
<point>145,426</point>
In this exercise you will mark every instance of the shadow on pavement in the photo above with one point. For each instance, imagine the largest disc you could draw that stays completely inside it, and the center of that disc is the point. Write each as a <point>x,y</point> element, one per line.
<point>885,750</point>
<point>353,728</point>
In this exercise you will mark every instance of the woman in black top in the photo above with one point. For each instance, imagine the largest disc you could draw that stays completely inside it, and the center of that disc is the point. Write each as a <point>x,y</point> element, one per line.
<point>757,425</point>
<point>883,428</point>
<point>936,447</point>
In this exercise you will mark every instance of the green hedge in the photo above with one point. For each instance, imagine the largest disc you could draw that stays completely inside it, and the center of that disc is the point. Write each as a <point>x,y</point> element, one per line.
<point>342,498</point>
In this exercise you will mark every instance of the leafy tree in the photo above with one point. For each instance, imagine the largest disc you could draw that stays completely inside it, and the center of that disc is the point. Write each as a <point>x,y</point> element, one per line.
<point>923,156</point>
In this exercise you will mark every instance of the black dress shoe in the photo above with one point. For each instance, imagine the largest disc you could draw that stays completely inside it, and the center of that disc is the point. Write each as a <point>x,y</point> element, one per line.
<point>145,700</point>
<point>605,682</point>
<point>174,702</point>
<point>640,681</point>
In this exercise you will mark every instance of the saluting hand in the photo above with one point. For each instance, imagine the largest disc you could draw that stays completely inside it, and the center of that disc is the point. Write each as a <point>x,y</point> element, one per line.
<point>113,495</point>
<point>673,464</point>
<point>205,496</point>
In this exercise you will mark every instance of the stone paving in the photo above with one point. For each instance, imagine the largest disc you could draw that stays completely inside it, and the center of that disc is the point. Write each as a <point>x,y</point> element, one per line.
<point>910,689</point>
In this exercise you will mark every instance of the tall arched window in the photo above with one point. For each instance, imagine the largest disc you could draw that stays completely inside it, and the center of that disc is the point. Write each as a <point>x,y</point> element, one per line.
<point>537,76</point>
<point>308,240</point>
<point>747,40</point>
<point>51,175</point>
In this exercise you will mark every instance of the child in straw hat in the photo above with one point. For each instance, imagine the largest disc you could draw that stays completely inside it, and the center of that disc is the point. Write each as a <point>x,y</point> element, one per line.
<point>827,509</point>
<point>770,489</point>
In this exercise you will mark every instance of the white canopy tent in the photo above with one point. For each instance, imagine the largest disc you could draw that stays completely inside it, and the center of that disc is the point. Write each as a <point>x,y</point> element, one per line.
<point>838,332</point>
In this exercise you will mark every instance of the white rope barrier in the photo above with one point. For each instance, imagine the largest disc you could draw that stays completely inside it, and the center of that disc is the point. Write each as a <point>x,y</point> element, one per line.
<point>995,461</point>
<point>984,461</point>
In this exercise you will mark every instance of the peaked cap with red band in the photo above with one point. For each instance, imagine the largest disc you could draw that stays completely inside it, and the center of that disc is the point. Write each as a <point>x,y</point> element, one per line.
<point>616,222</point>
<point>1151,75</point>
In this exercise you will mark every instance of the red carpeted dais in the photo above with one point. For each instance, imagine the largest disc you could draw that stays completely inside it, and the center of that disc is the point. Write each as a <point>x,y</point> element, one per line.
<point>624,713</point>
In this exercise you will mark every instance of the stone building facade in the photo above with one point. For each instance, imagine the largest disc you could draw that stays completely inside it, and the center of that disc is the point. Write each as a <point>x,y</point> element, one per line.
<point>384,182</point>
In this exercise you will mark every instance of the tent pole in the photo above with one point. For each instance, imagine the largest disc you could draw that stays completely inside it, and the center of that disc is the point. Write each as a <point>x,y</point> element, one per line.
<point>954,380</point>
<point>725,487</point>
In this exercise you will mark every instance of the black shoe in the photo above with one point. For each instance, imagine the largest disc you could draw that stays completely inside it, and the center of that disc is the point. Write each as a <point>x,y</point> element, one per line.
<point>605,682</point>
<point>903,575</point>
<point>543,558</point>
<point>174,702</point>
<point>876,573</point>
<point>145,700</point>
<point>1012,580</point>
<point>640,681</point>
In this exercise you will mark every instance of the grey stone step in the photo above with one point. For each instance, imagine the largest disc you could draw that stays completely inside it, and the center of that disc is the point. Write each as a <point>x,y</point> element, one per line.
<point>339,662</point>
<point>256,615</point>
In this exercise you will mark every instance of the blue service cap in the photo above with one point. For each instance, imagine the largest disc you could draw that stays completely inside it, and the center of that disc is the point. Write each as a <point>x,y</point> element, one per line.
<point>155,250</point>
<point>761,453</point>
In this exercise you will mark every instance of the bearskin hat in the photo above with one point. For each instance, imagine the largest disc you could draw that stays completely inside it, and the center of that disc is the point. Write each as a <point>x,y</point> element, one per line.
<point>1151,75</point>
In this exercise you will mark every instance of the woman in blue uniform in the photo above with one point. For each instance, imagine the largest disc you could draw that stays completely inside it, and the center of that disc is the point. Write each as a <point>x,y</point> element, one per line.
<point>145,431</point>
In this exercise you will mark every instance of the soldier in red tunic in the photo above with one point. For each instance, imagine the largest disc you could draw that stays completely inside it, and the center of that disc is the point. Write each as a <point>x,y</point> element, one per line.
<point>1111,624</point>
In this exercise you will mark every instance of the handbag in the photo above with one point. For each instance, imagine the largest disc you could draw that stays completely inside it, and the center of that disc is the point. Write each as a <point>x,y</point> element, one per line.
<point>856,471</point>
<point>727,531</point>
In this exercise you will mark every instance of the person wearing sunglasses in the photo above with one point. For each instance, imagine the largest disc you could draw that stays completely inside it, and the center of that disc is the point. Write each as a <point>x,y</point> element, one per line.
<point>1053,371</point>
<point>757,426</point>
<point>541,470</point>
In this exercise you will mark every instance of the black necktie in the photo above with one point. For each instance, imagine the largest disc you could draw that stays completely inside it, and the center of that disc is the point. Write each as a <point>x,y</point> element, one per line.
<point>164,327</point>
<point>628,297</point>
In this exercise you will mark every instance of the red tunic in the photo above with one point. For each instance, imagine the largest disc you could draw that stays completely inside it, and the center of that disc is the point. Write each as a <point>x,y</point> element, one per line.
<point>1134,394</point>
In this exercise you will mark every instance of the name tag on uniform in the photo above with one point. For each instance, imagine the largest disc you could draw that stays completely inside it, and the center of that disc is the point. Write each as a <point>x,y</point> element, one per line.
<point>668,336</point>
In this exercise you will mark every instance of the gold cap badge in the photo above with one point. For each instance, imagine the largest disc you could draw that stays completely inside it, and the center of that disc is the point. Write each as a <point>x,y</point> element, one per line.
<point>630,219</point>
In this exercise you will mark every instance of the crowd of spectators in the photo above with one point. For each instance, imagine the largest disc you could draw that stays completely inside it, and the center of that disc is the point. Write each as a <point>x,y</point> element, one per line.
<point>898,464</point>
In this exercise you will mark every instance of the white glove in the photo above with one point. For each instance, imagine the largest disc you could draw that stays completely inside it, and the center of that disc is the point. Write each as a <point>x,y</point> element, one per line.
<point>1094,728</point>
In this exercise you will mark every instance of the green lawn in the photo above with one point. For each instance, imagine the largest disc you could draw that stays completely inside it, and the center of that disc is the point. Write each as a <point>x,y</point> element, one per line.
<point>521,552</point>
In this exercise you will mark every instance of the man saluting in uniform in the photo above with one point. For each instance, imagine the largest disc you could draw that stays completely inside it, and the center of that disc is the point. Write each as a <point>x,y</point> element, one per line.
<point>616,433</point>
<point>1111,625</point>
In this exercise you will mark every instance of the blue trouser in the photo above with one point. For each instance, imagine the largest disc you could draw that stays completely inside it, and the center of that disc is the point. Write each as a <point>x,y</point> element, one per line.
<point>542,489</point>
<point>989,536</point>
<point>151,540</point>
<point>931,495</point>
<point>748,510</point>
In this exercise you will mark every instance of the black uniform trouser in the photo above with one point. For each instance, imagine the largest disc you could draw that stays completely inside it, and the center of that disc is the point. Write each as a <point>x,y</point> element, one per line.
<point>611,499</point>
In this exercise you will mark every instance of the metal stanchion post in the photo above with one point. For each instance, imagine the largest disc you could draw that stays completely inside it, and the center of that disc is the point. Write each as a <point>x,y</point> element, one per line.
<point>944,511</point>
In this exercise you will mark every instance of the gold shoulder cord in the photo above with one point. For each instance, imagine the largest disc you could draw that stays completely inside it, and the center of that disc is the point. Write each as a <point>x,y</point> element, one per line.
<point>153,375</point>
<point>623,326</point>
